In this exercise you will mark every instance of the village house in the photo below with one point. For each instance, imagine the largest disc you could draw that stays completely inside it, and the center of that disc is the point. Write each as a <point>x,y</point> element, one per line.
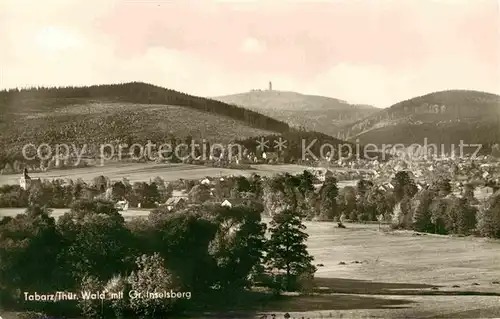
<point>229,203</point>
<point>175,203</point>
<point>421,185</point>
<point>418,173</point>
<point>89,192</point>
<point>389,186</point>
<point>205,181</point>
<point>322,174</point>
<point>26,182</point>
<point>122,205</point>
<point>270,156</point>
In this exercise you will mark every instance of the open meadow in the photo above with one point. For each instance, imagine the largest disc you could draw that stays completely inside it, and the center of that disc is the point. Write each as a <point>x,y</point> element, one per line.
<point>365,272</point>
<point>426,276</point>
<point>143,172</point>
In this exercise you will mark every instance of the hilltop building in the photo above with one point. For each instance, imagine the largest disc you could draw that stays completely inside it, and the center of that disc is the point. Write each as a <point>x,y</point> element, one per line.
<point>270,86</point>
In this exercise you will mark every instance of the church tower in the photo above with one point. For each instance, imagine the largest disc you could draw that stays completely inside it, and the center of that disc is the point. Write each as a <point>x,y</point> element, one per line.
<point>25,180</point>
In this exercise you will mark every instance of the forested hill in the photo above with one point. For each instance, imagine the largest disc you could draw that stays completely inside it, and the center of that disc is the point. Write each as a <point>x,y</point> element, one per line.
<point>445,117</point>
<point>43,99</point>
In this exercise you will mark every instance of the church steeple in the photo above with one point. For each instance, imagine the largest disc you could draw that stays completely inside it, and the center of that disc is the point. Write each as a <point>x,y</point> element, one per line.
<point>25,180</point>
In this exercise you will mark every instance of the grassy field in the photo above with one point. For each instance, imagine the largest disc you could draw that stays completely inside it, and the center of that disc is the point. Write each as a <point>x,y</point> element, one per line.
<point>369,273</point>
<point>372,273</point>
<point>403,266</point>
<point>143,172</point>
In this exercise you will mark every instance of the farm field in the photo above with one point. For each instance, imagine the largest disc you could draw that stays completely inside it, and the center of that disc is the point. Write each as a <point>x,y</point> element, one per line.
<point>368,273</point>
<point>143,172</point>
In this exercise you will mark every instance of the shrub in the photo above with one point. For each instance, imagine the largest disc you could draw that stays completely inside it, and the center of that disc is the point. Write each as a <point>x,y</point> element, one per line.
<point>116,285</point>
<point>89,307</point>
<point>151,277</point>
<point>305,282</point>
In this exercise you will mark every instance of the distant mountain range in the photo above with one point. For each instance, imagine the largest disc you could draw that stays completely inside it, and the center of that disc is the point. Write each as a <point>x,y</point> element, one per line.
<point>318,113</point>
<point>137,112</point>
<point>445,117</point>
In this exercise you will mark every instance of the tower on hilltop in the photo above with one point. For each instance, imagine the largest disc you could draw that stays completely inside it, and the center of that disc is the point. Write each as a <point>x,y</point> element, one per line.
<point>270,86</point>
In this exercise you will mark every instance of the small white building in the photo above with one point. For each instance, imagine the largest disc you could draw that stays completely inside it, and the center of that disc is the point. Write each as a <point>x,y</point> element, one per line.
<point>176,203</point>
<point>227,204</point>
<point>122,205</point>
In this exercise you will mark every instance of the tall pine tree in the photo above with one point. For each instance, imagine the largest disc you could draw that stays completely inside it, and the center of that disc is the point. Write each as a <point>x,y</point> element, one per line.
<point>328,199</point>
<point>422,214</point>
<point>287,249</point>
<point>488,221</point>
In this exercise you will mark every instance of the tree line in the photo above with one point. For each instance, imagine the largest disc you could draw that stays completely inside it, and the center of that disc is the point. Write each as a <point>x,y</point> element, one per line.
<point>437,210</point>
<point>432,209</point>
<point>62,193</point>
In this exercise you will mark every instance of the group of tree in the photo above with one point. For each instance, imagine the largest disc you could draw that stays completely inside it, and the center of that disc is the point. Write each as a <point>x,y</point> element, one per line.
<point>60,193</point>
<point>433,208</point>
<point>436,209</point>
<point>212,252</point>
<point>325,201</point>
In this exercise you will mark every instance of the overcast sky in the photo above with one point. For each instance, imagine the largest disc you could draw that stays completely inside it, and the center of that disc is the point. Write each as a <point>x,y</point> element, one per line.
<point>364,51</point>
